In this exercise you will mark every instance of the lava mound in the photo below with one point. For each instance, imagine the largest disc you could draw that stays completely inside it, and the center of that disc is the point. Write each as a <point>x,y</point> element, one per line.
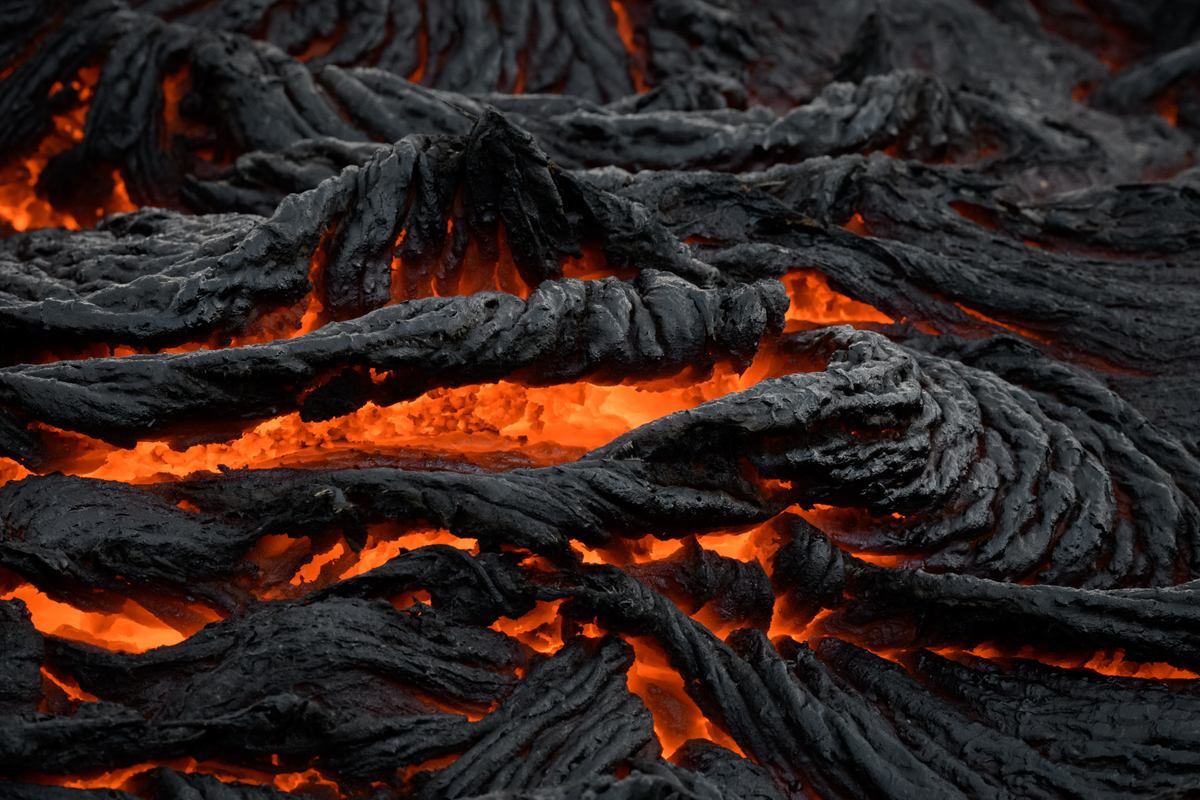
<point>630,400</point>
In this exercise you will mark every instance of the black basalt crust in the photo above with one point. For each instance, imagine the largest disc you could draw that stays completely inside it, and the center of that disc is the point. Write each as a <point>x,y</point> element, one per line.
<point>603,399</point>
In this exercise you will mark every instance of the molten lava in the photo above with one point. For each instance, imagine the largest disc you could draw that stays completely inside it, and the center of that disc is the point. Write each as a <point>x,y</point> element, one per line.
<point>677,718</point>
<point>21,207</point>
<point>493,424</point>
<point>637,54</point>
<point>309,781</point>
<point>133,630</point>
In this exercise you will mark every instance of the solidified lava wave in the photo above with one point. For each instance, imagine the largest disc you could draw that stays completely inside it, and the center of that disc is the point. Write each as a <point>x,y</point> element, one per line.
<point>541,399</point>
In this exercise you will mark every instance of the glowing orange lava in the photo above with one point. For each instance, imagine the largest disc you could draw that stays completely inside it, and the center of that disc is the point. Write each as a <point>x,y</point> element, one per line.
<point>981,216</point>
<point>310,780</point>
<point>422,50</point>
<point>857,225</point>
<point>1104,662</point>
<point>540,629</point>
<point>68,685</point>
<point>474,273</point>
<point>21,208</point>
<point>636,55</point>
<point>551,424</point>
<point>676,716</point>
<point>544,425</point>
<point>1168,108</point>
<point>133,630</point>
<point>1028,334</point>
<point>815,303</point>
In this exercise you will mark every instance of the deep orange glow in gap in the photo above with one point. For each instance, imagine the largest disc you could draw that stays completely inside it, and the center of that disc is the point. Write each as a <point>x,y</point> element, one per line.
<point>68,685</point>
<point>1103,662</point>
<point>637,56</point>
<point>1025,332</point>
<point>310,780</point>
<point>540,629</point>
<point>384,541</point>
<point>20,207</point>
<point>548,424</point>
<point>677,718</point>
<point>857,225</point>
<point>558,423</point>
<point>133,630</point>
<point>813,302</point>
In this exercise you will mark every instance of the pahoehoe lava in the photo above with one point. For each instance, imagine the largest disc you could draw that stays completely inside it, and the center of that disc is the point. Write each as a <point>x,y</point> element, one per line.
<point>618,399</point>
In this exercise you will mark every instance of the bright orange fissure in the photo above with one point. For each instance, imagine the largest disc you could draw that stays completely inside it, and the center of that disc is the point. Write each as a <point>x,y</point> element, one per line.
<point>21,208</point>
<point>636,53</point>
<point>1104,662</point>
<point>309,779</point>
<point>1028,334</point>
<point>545,424</point>
<point>134,629</point>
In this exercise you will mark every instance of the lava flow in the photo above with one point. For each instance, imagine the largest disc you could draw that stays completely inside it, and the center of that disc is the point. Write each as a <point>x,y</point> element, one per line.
<point>630,399</point>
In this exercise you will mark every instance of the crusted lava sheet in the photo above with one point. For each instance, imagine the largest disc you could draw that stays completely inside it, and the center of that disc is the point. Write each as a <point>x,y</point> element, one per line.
<point>616,399</point>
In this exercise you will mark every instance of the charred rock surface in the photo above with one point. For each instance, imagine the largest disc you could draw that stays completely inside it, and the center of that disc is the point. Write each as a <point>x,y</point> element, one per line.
<point>843,722</point>
<point>155,278</point>
<point>499,223</point>
<point>1154,625</point>
<point>289,679</point>
<point>694,577</point>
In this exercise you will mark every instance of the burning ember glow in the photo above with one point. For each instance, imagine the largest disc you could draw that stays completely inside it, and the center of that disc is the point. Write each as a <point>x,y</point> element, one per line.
<point>632,399</point>
<point>21,205</point>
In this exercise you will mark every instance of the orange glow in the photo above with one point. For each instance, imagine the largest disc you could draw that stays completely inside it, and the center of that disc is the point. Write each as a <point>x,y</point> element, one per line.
<point>474,274</point>
<point>311,571</point>
<point>754,544</point>
<point>814,303</point>
<point>69,686</point>
<point>676,716</point>
<point>314,312</point>
<point>133,630</point>
<point>422,51</point>
<point>384,541</point>
<point>322,45</point>
<point>591,265</point>
<point>11,471</point>
<point>537,425</point>
<point>1028,334</point>
<point>495,426</point>
<point>889,560</point>
<point>622,552</point>
<point>1114,663</point>
<point>1168,108</point>
<point>175,86</point>
<point>981,216</point>
<point>373,556</point>
<point>1104,662</point>
<point>802,631</point>
<point>540,629</point>
<point>411,598</point>
<point>309,780</point>
<point>20,206</point>
<point>857,225</point>
<point>547,425</point>
<point>636,54</point>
